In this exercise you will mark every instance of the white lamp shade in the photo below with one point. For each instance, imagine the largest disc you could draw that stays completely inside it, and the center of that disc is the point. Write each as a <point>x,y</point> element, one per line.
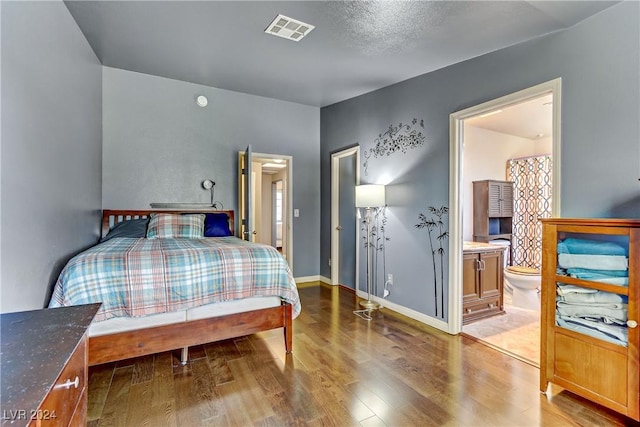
<point>369,196</point>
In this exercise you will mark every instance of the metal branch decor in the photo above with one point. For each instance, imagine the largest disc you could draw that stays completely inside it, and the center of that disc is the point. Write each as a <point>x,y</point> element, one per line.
<point>397,138</point>
<point>377,243</point>
<point>436,228</point>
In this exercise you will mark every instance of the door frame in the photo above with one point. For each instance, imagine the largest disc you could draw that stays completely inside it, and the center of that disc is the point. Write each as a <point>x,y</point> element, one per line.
<point>288,194</point>
<point>335,213</point>
<point>456,194</point>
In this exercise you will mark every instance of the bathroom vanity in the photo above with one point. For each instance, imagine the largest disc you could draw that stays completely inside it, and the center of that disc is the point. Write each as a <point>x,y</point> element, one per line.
<point>482,281</point>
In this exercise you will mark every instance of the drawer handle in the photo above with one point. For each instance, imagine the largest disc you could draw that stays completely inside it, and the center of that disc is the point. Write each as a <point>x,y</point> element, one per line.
<point>67,384</point>
<point>491,305</point>
<point>632,323</point>
<point>468,310</point>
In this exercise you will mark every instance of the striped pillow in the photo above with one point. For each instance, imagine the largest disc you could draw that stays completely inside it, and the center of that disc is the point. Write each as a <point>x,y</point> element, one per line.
<point>165,226</point>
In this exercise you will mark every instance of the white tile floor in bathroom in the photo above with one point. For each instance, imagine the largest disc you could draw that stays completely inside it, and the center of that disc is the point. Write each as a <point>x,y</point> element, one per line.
<point>517,332</point>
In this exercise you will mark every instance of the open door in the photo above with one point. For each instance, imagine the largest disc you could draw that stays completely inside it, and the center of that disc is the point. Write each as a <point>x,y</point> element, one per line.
<point>244,198</point>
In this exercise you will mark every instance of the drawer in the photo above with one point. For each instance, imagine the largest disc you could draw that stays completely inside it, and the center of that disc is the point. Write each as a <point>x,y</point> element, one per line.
<point>479,309</point>
<point>60,404</point>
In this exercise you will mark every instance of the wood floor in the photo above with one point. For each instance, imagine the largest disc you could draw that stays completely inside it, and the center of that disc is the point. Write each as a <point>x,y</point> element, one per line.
<point>344,371</point>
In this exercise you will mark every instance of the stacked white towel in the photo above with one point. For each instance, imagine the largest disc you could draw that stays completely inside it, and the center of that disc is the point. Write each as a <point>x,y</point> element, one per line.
<point>596,313</point>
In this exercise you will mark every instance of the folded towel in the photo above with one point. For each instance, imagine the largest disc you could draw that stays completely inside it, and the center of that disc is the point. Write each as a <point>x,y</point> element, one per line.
<point>611,333</point>
<point>618,281</point>
<point>597,297</point>
<point>608,313</point>
<point>590,247</point>
<point>586,273</point>
<point>568,289</point>
<point>599,262</point>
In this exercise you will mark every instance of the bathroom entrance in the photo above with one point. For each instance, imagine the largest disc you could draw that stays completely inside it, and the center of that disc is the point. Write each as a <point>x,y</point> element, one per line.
<point>503,157</point>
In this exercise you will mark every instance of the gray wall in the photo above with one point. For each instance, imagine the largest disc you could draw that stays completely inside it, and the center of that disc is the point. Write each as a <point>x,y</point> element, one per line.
<point>159,146</point>
<point>598,61</point>
<point>51,149</point>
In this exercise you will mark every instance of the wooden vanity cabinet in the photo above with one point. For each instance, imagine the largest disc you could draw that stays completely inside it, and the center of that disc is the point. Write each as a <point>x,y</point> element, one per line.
<point>482,283</point>
<point>598,370</point>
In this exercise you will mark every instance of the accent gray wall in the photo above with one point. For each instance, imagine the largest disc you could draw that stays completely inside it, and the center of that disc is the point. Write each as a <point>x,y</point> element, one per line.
<point>159,146</point>
<point>598,61</point>
<point>51,149</point>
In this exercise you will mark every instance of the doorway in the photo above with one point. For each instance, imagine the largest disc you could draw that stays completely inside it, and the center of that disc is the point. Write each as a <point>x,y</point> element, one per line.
<point>458,189</point>
<point>267,203</point>
<point>345,175</point>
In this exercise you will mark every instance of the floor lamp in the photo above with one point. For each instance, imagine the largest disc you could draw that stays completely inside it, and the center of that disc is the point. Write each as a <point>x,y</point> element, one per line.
<point>369,196</point>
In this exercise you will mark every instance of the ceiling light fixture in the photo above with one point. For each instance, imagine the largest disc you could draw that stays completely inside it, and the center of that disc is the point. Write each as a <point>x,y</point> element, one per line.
<point>202,101</point>
<point>288,28</point>
<point>274,165</point>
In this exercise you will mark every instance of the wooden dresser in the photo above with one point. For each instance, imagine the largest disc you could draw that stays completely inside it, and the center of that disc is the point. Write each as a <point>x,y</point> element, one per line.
<point>44,366</point>
<point>589,364</point>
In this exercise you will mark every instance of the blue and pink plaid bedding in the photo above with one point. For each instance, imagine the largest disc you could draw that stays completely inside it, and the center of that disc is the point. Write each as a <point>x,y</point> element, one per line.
<point>138,277</point>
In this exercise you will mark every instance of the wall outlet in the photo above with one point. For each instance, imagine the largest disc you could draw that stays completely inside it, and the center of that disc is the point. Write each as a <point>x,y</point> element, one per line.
<point>390,279</point>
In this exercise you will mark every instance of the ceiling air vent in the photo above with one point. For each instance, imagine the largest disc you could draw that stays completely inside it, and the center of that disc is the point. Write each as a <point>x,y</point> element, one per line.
<point>288,28</point>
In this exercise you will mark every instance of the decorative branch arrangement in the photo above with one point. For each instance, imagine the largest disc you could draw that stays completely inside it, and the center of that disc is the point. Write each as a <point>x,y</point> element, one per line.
<point>436,228</point>
<point>397,138</point>
<point>377,242</point>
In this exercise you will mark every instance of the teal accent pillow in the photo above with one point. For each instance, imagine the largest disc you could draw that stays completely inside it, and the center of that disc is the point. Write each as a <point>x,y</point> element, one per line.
<point>133,228</point>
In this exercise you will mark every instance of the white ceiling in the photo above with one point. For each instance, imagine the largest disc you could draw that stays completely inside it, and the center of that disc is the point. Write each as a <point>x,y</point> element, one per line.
<point>356,47</point>
<point>531,119</point>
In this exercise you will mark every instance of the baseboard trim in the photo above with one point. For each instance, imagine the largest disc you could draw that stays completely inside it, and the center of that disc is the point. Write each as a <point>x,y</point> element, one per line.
<point>318,278</point>
<point>412,314</point>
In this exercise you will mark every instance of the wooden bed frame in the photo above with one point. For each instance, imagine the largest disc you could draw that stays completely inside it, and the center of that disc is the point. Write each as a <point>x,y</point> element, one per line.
<point>141,342</point>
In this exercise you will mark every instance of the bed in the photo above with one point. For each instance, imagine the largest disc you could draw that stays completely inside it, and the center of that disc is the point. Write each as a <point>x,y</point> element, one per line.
<point>166,292</point>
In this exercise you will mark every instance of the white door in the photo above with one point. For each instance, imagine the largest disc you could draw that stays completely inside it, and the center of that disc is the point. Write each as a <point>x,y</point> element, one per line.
<point>344,222</point>
<point>245,205</point>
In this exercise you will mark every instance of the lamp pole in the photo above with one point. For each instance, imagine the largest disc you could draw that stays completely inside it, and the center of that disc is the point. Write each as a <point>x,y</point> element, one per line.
<point>368,304</point>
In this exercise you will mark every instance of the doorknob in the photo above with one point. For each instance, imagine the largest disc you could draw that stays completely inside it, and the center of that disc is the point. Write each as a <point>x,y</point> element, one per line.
<point>339,228</point>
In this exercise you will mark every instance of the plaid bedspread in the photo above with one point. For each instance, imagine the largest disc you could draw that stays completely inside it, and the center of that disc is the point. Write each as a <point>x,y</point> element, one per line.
<point>138,277</point>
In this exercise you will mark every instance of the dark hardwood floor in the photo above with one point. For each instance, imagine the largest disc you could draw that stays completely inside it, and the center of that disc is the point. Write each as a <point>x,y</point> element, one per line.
<point>391,371</point>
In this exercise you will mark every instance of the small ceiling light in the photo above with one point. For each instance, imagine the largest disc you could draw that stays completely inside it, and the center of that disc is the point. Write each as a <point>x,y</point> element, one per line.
<point>274,165</point>
<point>202,101</point>
<point>288,28</point>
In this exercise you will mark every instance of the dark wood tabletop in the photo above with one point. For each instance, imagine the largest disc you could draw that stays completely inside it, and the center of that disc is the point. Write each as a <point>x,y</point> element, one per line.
<point>35,347</point>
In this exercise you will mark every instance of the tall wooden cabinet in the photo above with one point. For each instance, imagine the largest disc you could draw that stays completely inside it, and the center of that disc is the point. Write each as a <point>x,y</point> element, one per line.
<point>598,369</point>
<point>482,282</point>
<point>492,210</point>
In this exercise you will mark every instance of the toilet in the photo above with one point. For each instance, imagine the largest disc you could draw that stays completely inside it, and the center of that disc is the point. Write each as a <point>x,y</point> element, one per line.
<point>524,282</point>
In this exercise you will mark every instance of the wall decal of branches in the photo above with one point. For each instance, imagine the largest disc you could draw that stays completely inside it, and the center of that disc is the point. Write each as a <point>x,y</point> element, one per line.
<point>377,243</point>
<point>402,137</point>
<point>436,228</point>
